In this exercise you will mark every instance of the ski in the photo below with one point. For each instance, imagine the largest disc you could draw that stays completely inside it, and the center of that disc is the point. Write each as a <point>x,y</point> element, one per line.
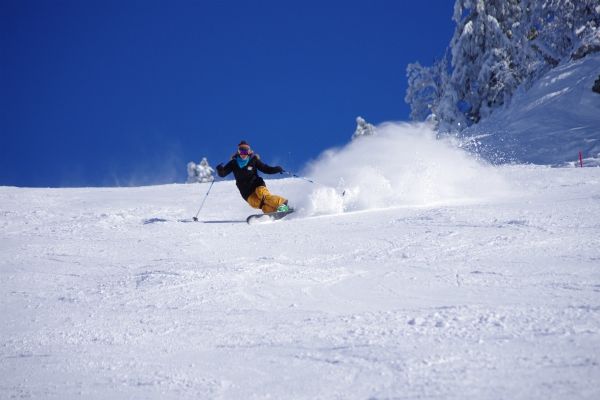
<point>274,216</point>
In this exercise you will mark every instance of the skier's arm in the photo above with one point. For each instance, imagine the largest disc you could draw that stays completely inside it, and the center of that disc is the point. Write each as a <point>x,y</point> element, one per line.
<point>223,171</point>
<point>267,169</point>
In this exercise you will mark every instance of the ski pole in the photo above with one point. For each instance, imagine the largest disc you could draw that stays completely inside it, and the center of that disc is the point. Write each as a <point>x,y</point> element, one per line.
<point>300,177</point>
<point>306,179</point>
<point>203,200</point>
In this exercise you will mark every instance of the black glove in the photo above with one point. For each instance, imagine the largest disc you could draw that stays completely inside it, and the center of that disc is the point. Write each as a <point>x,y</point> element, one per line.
<point>279,169</point>
<point>220,166</point>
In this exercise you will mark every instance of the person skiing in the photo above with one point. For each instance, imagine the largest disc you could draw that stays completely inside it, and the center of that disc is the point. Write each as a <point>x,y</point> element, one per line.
<point>245,165</point>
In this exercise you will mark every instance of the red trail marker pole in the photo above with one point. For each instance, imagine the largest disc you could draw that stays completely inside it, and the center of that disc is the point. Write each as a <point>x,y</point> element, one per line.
<point>580,160</point>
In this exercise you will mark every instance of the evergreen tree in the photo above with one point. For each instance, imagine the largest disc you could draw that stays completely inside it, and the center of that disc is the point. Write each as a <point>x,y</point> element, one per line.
<point>484,74</point>
<point>363,128</point>
<point>201,172</point>
<point>560,27</point>
<point>425,87</point>
<point>497,46</point>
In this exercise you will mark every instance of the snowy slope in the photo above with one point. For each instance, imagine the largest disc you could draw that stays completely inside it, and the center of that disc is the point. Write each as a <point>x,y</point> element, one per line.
<point>549,123</point>
<point>443,288</point>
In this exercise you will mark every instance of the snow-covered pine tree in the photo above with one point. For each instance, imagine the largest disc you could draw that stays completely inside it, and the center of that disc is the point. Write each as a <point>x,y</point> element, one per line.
<point>584,23</point>
<point>363,128</point>
<point>205,172</point>
<point>201,172</point>
<point>497,46</point>
<point>484,67</point>
<point>425,88</point>
<point>485,74</point>
<point>422,92</point>
<point>564,28</point>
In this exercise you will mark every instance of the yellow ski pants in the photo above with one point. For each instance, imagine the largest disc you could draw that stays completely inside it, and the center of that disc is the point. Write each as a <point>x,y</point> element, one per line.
<point>263,199</point>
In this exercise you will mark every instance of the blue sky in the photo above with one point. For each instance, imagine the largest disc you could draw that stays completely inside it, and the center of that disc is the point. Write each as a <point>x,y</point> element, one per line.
<point>103,93</point>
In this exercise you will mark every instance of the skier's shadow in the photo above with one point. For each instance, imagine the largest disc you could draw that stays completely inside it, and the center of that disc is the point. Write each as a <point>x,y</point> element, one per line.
<point>157,220</point>
<point>154,220</point>
<point>224,222</point>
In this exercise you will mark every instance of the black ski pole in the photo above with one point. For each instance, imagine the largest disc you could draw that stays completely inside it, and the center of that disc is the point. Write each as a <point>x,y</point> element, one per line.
<point>306,179</point>
<point>203,200</point>
<point>296,176</point>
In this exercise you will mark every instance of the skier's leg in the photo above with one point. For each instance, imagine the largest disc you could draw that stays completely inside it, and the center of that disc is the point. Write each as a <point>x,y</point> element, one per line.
<point>258,199</point>
<point>254,200</point>
<point>269,202</point>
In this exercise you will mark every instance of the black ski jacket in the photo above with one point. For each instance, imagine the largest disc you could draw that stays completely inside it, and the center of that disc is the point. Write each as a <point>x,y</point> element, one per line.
<point>246,178</point>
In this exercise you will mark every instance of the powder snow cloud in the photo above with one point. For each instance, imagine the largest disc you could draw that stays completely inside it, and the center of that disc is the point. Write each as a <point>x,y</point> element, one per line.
<point>403,164</point>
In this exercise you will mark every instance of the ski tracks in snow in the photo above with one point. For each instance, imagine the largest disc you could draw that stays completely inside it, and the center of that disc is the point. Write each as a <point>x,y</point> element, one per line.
<point>488,300</point>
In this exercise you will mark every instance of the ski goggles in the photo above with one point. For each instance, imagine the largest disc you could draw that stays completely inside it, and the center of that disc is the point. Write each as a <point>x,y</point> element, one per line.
<point>244,151</point>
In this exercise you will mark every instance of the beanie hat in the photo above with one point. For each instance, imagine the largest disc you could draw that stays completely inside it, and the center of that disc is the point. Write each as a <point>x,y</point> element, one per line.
<point>244,148</point>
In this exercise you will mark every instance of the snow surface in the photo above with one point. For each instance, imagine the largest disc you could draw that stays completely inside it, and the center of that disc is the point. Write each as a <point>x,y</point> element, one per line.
<point>467,282</point>
<point>551,122</point>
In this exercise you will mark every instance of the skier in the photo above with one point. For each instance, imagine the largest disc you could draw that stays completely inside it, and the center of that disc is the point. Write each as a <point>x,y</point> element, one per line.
<point>245,165</point>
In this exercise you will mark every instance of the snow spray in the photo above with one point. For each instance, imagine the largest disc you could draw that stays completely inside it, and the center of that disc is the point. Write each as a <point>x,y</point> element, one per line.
<point>403,164</point>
